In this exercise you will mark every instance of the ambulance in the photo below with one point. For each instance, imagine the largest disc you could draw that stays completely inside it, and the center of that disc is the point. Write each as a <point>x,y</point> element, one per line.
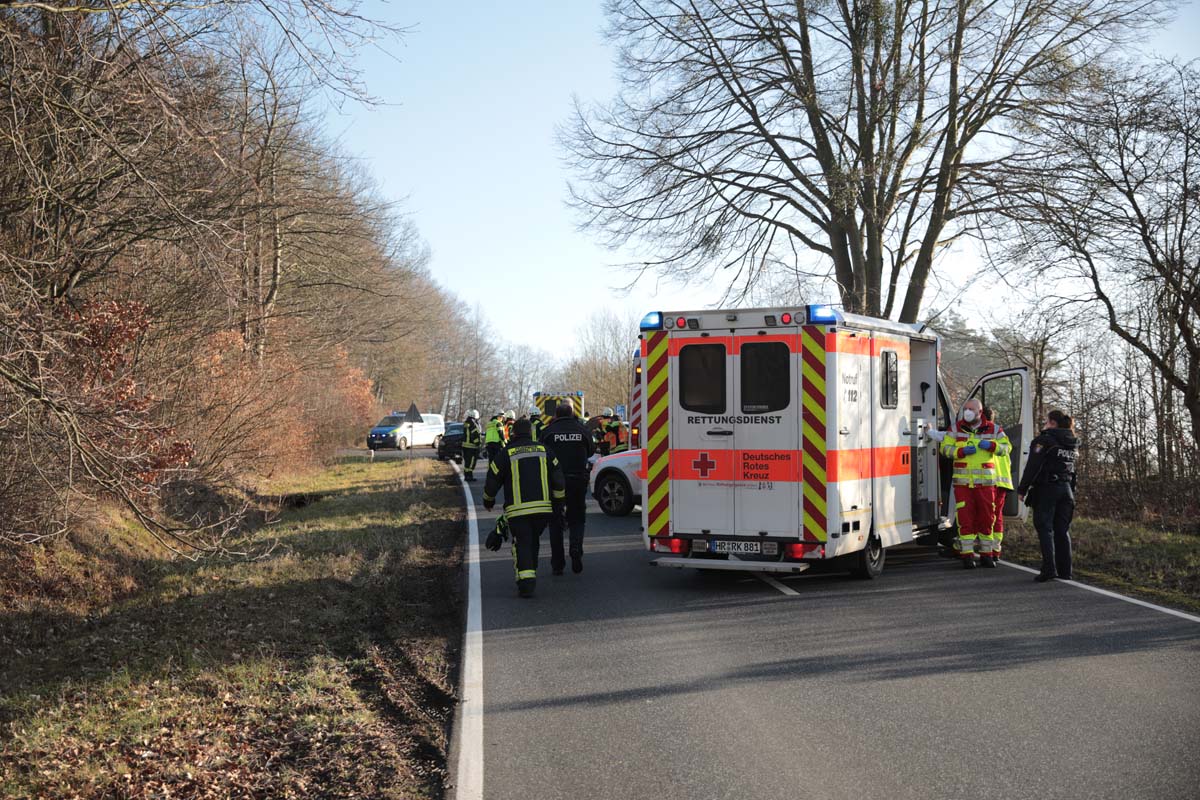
<point>779,439</point>
<point>548,402</point>
<point>635,403</point>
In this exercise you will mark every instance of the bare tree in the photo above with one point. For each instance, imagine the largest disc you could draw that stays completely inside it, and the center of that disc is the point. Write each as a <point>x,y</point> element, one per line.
<point>829,137</point>
<point>1111,209</point>
<point>602,362</point>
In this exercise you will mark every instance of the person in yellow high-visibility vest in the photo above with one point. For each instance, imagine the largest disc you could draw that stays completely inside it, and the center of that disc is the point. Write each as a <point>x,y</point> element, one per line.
<point>493,437</point>
<point>972,446</point>
<point>1004,481</point>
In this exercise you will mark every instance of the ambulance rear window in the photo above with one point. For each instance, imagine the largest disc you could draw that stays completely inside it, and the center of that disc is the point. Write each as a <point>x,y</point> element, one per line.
<point>766,377</point>
<point>702,378</point>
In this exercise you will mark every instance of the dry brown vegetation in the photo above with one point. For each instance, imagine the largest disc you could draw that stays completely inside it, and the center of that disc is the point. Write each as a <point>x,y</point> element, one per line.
<point>1135,559</point>
<point>324,669</point>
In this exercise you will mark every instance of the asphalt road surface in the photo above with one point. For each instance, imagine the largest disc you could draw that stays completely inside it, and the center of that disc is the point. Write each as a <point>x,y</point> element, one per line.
<point>636,682</point>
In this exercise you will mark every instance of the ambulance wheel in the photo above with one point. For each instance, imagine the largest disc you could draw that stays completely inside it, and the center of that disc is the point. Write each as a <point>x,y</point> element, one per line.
<point>870,560</point>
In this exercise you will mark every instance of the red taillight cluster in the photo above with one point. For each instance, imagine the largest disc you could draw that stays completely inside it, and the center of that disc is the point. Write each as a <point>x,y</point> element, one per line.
<point>786,318</point>
<point>681,322</point>
<point>803,550</point>
<point>669,544</point>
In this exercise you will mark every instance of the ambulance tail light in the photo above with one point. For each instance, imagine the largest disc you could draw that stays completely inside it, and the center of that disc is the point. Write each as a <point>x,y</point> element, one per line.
<point>652,321</point>
<point>821,315</point>
<point>669,544</point>
<point>786,319</point>
<point>803,550</point>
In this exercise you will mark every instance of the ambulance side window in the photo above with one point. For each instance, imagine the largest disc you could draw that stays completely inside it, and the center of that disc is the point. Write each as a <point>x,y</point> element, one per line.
<point>702,378</point>
<point>889,397</point>
<point>766,377</point>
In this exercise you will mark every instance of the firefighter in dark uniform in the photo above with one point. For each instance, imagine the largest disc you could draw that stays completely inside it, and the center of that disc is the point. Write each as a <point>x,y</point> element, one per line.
<point>1048,485</point>
<point>534,491</point>
<point>535,419</point>
<point>472,440</point>
<point>568,439</point>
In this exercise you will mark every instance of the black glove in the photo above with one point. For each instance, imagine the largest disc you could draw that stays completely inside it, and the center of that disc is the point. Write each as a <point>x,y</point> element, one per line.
<point>493,541</point>
<point>489,504</point>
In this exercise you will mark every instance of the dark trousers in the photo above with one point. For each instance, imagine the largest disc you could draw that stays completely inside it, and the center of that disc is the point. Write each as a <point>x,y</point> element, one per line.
<point>577,486</point>
<point>493,448</point>
<point>470,456</point>
<point>526,538</point>
<point>1053,509</point>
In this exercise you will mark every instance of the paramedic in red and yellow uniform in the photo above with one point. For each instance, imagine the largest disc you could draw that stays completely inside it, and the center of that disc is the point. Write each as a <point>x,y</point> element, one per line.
<point>1004,482</point>
<point>974,445</point>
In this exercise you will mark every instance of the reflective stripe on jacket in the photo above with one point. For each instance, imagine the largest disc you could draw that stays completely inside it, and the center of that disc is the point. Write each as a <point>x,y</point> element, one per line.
<point>1003,460</point>
<point>471,435</point>
<point>530,477</point>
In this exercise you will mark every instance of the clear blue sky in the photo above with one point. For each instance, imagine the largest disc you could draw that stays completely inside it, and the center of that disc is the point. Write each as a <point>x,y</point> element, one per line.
<point>466,142</point>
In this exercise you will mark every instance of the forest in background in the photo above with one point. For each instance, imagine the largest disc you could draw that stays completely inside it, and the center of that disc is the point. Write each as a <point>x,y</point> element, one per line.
<point>199,290</point>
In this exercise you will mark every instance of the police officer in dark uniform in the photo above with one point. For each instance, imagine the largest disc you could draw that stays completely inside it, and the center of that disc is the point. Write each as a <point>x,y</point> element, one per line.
<point>1048,485</point>
<point>533,494</point>
<point>568,439</point>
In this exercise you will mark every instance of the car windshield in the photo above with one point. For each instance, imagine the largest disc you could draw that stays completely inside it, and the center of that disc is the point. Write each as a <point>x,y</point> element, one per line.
<point>389,422</point>
<point>453,428</point>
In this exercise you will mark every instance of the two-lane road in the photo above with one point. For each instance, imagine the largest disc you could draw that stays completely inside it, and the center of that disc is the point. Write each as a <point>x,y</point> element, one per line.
<point>634,682</point>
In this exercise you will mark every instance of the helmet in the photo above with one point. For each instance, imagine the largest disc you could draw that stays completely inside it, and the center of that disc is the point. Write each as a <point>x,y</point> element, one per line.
<point>534,411</point>
<point>607,412</point>
<point>473,413</point>
<point>510,415</point>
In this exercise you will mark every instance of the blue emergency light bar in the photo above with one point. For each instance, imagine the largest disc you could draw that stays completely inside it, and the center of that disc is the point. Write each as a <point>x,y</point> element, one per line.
<point>652,321</point>
<point>822,314</point>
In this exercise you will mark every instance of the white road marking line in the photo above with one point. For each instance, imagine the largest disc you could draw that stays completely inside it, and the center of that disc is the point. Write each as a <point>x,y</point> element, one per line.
<point>1107,593</point>
<point>769,581</point>
<point>469,785</point>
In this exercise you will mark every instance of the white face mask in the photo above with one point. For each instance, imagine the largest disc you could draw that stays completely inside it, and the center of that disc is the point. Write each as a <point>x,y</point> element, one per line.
<point>968,415</point>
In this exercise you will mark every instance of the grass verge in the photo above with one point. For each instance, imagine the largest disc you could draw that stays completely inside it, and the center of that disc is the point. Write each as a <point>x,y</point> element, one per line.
<point>1158,566</point>
<point>323,669</point>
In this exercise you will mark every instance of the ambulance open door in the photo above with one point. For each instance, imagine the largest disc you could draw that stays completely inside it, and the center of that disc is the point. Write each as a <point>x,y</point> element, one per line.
<point>1009,394</point>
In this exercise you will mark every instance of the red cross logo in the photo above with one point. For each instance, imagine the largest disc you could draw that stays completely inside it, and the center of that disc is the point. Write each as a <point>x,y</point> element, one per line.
<point>704,465</point>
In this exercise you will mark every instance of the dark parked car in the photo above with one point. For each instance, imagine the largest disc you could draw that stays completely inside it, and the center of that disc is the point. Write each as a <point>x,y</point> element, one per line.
<point>450,445</point>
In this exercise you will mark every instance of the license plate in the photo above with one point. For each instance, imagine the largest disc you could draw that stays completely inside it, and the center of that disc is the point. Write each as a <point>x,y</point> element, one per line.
<point>736,547</point>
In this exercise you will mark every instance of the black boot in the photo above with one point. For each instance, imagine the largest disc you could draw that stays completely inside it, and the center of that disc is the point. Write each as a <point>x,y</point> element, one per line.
<point>1043,577</point>
<point>988,561</point>
<point>577,564</point>
<point>968,563</point>
<point>525,587</point>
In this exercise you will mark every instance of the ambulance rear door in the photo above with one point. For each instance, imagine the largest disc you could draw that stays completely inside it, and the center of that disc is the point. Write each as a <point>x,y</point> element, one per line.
<point>1008,392</point>
<point>702,433</point>
<point>766,409</point>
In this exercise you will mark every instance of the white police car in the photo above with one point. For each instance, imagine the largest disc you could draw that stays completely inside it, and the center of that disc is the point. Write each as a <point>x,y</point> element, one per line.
<point>616,482</point>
